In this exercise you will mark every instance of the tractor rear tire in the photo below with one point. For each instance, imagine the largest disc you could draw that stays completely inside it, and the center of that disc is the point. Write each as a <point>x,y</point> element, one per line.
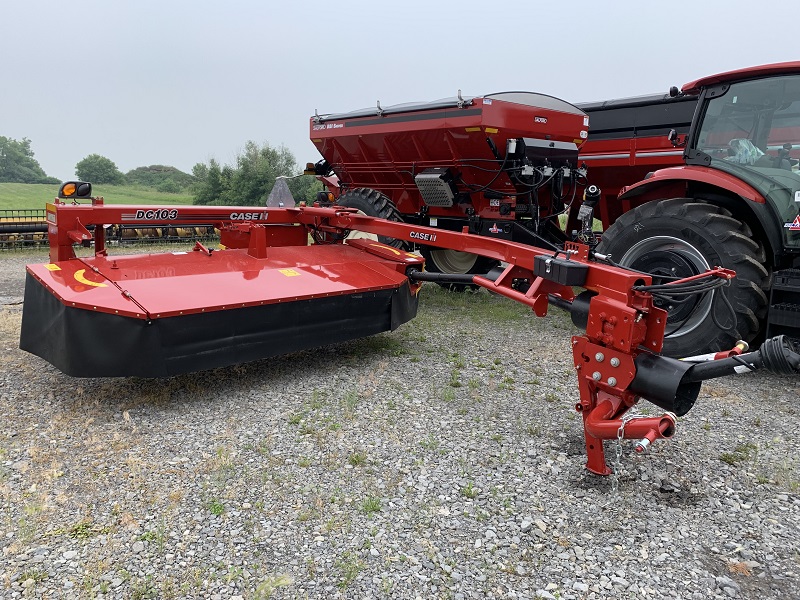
<point>681,237</point>
<point>373,204</point>
<point>441,260</point>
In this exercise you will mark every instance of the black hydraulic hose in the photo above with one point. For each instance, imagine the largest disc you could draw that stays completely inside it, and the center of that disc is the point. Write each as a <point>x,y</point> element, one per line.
<point>779,355</point>
<point>559,302</point>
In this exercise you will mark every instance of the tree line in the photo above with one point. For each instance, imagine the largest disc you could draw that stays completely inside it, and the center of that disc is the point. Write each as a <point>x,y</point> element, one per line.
<point>248,182</point>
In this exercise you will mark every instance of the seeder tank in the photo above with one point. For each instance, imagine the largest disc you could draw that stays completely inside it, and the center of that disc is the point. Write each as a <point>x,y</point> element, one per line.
<point>485,161</point>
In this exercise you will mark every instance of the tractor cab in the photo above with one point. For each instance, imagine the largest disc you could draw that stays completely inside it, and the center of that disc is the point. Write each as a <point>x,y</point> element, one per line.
<point>750,129</point>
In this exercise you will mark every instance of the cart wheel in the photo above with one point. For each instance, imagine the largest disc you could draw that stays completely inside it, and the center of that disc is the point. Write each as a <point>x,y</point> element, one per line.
<point>373,204</point>
<point>440,260</point>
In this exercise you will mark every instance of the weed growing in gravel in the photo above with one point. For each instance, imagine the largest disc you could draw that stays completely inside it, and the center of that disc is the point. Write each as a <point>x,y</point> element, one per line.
<point>533,430</point>
<point>349,566</point>
<point>215,507</point>
<point>371,505</point>
<point>349,403</point>
<point>786,475</point>
<point>741,453</point>
<point>265,589</point>
<point>469,491</point>
<point>448,394</point>
<point>506,384</point>
<point>26,526</point>
<point>357,459</point>
<point>458,361</point>
<point>85,529</point>
<point>386,584</point>
<point>430,442</point>
<point>156,536</point>
<point>223,465</point>
<point>143,589</point>
<point>307,515</point>
<point>317,399</point>
<point>455,378</point>
<point>36,575</point>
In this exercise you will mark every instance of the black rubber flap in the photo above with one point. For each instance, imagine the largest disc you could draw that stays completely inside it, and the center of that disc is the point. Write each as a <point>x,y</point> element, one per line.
<point>84,343</point>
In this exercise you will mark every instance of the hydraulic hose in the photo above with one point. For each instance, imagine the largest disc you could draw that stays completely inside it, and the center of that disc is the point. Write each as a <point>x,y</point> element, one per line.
<point>779,355</point>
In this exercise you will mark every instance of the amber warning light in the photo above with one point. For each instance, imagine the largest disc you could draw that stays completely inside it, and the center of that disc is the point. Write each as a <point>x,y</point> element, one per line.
<point>75,189</point>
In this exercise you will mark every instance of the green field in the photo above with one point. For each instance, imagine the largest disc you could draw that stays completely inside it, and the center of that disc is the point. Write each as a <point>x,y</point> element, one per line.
<point>35,195</point>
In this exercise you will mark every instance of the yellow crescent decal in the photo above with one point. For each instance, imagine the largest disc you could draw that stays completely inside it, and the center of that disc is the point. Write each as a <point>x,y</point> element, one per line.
<point>386,248</point>
<point>81,279</point>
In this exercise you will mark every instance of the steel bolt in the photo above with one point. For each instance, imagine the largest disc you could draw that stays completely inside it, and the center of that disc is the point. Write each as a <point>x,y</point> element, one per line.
<point>599,357</point>
<point>597,376</point>
<point>612,381</point>
<point>615,362</point>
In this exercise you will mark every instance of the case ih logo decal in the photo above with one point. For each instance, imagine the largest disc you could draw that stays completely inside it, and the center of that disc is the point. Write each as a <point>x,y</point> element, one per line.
<point>541,120</point>
<point>794,225</point>
<point>425,237</point>
<point>494,228</point>
<point>249,216</point>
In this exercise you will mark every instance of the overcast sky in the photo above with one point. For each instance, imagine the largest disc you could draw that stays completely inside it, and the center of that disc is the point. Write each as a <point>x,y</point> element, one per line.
<point>178,82</point>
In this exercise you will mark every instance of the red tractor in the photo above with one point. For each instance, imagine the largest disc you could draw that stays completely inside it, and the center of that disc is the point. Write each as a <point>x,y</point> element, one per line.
<point>514,166</point>
<point>733,204</point>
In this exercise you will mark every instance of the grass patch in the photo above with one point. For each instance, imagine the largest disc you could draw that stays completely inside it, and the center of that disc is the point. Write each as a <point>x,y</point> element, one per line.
<point>455,378</point>
<point>357,459</point>
<point>469,491</point>
<point>86,529</point>
<point>215,507</point>
<point>36,195</point>
<point>265,589</point>
<point>741,453</point>
<point>349,566</point>
<point>371,505</point>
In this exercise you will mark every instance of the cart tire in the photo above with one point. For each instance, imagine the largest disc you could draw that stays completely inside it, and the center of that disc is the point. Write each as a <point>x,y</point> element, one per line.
<point>682,237</point>
<point>373,204</point>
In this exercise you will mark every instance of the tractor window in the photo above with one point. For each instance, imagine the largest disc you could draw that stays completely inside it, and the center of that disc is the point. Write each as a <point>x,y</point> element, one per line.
<point>754,119</point>
<point>753,132</point>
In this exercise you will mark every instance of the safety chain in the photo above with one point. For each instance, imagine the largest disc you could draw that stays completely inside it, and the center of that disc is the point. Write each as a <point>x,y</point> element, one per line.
<point>629,416</point>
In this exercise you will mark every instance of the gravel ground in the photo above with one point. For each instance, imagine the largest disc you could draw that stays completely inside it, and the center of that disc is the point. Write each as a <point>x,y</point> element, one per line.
<point>444,460</point>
